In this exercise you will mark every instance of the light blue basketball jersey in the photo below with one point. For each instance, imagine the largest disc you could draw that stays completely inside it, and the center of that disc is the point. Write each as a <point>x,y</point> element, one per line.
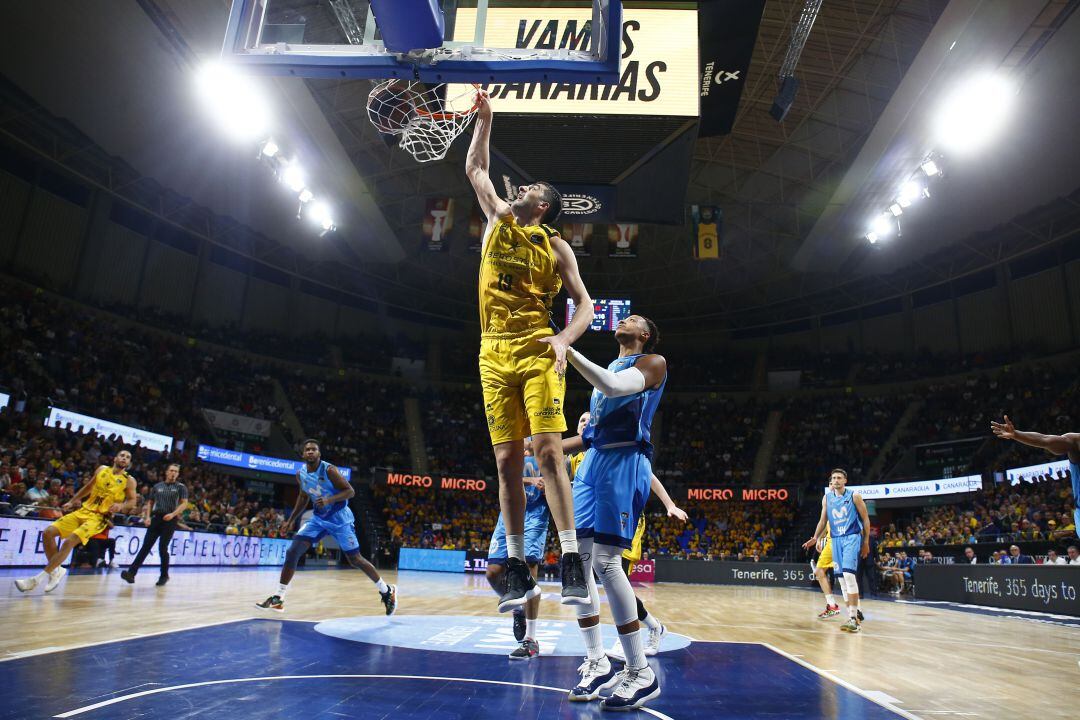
<point>317,484</point>
<point>843,516</point>
<point>623,421</point>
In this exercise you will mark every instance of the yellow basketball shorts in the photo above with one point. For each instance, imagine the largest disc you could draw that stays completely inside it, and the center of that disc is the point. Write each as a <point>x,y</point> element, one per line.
<point>523,395</point>
<point>825,559</point>
<point>83,523</point>
<point>633,555</point>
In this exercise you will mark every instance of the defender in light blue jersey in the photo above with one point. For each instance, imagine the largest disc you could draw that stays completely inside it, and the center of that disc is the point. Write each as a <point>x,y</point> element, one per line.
<point>537,518</point>
<point>1067,444</point>
<point>324,485</point>
<point>610,489</point>
<point>849,527</point>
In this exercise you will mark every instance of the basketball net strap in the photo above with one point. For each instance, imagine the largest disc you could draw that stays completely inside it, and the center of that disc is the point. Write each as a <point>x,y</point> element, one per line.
<point>431,126</point>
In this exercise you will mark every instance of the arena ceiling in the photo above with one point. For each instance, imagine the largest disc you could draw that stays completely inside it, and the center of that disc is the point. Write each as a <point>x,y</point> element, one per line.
<point>792,192</point>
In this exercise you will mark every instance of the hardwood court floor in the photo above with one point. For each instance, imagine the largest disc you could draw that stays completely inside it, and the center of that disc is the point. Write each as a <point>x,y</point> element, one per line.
<point>933,662</point>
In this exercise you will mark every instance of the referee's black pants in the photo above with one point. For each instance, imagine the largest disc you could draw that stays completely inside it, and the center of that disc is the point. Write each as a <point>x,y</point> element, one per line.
<point>162,531</point>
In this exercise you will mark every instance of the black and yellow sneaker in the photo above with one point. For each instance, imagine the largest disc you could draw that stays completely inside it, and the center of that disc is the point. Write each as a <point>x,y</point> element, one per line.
<point>274,603</point>
<point>859,615</point>
<point>389,599</point>
<point>519,624</point>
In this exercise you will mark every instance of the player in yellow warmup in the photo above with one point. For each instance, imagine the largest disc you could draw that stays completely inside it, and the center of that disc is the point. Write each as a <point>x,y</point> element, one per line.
<point>112,490</point>
<point>524,264</point>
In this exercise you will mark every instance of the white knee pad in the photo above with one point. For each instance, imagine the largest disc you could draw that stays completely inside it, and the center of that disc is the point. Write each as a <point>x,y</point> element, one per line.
<point>850,584</point>
<point>585,547</point>
<point>608,564</point>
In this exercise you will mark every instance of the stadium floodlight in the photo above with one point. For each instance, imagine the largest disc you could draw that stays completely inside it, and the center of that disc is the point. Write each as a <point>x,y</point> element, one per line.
<point>872,237</point>
<point>910,191</point>
<point>293,177</point>
<point>896,210</point>
<point>975,112</point>
<point>306,196</point>
<point>269,148</point>
<point>881,226</point>
<point>320,214</point>
<point>930,168</point>
<point>234,100</point>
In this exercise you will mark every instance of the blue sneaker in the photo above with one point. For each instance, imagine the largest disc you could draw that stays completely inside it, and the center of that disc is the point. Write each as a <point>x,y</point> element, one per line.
<point>596,675</point>
<point>635,687</point>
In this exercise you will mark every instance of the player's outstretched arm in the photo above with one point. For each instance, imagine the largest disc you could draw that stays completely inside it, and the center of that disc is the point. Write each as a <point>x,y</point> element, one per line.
<point>646,373</point>
<point>661,492</point>
<point>1069,443</point>
<point>477,163</point>
<point>572,445</point>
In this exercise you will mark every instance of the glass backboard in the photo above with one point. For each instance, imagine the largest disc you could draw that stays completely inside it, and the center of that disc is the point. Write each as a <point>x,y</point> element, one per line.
<point>574,41</point>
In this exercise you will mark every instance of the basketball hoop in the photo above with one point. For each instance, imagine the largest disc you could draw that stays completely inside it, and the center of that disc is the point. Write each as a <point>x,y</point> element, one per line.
<point>427,119</point>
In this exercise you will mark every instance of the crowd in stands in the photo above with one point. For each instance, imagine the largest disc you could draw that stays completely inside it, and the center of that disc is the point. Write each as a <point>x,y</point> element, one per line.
<point>821,432</point>
<point>1002,513</point>
<point>360,423</point>
<point>456,433</point>
<point>41,468</point>
<point>417,517</point>
<point>718,531</point>
<point>708,440</point>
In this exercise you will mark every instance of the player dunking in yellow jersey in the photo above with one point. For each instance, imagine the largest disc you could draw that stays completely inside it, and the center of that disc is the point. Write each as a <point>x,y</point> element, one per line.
<point>110,491</point>
<point>524,264</point>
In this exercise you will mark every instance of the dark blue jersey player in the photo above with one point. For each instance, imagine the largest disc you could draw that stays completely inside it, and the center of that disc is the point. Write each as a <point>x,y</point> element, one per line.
<point>330,492</point>
<point>537,518</point>
<point>1067,444</point>
<point>610,489</point>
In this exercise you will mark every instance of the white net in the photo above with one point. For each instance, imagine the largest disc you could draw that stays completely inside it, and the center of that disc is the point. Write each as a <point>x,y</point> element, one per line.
<point>427,119</point>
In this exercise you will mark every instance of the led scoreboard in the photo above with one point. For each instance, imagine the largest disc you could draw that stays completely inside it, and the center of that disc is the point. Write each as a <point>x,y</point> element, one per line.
<point>606,313</point>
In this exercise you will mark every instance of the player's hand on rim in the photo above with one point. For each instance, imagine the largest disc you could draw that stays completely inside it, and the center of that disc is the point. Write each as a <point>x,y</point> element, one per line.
<point>1004,430</point>
<point>483,106</point>
<point>559,346</point>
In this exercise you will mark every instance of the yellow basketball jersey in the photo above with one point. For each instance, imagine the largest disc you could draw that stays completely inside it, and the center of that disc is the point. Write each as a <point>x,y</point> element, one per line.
<point>519,278</point>
<point>573,462</point>
<point>109,488</point>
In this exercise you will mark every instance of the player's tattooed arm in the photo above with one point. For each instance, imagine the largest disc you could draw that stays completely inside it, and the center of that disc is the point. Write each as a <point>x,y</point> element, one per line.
<point>477,163</point>
<point>129,499</point>
<point>1067,444</point>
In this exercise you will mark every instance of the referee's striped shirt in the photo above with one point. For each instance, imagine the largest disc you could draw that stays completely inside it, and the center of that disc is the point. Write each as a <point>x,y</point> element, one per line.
<point>167,497</point>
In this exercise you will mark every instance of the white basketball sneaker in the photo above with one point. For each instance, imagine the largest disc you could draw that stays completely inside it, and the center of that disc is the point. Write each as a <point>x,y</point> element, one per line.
<point>54,578</point>
<point>596,675</point>
<point>616,651</point>
<point>652,642</point>
<point>635,687</point>
<point>27,584</point>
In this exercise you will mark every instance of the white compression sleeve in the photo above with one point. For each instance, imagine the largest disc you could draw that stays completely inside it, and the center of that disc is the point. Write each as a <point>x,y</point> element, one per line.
<point>610,384</point>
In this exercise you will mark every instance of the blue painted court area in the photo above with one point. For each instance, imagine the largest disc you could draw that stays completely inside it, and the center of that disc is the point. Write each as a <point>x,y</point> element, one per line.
<point>289,669</point>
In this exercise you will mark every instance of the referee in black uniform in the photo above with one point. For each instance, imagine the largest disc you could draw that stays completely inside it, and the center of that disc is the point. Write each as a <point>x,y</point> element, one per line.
<point>167,500</point>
